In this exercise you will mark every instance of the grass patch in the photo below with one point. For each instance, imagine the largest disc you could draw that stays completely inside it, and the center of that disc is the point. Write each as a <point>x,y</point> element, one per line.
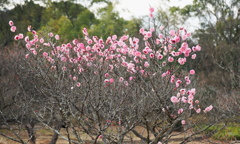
<point>231,132</point>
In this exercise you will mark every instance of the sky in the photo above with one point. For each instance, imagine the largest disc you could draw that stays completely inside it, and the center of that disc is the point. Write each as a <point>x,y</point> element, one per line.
<point>128,8</point>
<point>138,8</point>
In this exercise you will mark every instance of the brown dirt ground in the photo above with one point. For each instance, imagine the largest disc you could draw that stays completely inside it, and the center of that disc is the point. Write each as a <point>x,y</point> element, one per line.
<point>44,137</point>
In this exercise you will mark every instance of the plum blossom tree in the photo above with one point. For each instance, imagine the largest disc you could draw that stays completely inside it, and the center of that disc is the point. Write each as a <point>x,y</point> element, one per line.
<point>108,88</point>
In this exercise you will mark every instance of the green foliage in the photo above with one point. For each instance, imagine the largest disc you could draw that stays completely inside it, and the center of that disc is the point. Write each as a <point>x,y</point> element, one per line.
<point>67,19</point>
<point>132,27</point>
<point>225,133</point>
<point>169,19</point>
<point>27,14</point>
<point>109,23</point>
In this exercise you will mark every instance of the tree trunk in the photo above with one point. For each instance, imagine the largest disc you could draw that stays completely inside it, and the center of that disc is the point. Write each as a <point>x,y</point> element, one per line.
<point>58,127</point>
<point>31,133</point>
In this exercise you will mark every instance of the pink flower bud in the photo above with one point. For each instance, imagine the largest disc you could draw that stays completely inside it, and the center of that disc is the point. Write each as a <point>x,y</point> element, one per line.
<point>13,28</point>
<point>183,122</point>
<point>151,9</point>
<point>11,23</point>
<point>192,72</point>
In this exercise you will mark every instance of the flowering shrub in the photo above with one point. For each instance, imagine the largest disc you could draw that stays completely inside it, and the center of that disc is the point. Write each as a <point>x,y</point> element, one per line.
<point>96,84</point>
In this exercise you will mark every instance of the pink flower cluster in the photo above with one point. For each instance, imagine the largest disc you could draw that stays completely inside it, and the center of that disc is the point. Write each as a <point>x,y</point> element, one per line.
<point>123,54</point>
<point>209,108</point>
<point>151,10</point>
<point>13,29</point>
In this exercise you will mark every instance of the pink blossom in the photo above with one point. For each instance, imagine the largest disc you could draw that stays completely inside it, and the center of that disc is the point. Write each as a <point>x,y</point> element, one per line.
<point>183,122</point>
<point>106,81</point>
<point>193,91</point>
<point>41,40</point>
<point>85,31</point>
<point>178,94</point>
<point>170,59</point>
<point>130,78</point>
<point>151,15</point>
<point>168,72</point>
<point>192,72</point>
<point>182,61</point>
<point>111,80</point>
<point>193,56</point>
<point>45,54</point>
<point>172,32</point>
<point>177,39</point>
<point>121,79</point>
<point>137,53</point>
<point>29,28</point>
<point>172,79</point>
<point>46,44</point>
<point>34,52</point>
<point>11,23</point>
<point>152,29</point>
<point>89,41</point>
<point>149,34</point>
<point>151,55</point>
<point>184,99</point>
<point>174,99</point>
<point>158,41</point>
<point>179,81</point>
<point>106,74</point>
<point>74,78</point>
<point>141,72</point>
<point>188,34</point>
<point>184,37</point>
<point>114,37</point>
<point>20,36</point>
<point>100,136</point>
<point>159,56</point>
<point>190,101</point>
<point>180,111</point>
<point>209,108</point>
<point>198,110</point>
<point>164,74</point>
<point>64,68</point>
<point>160,36</point>
<point>190,97</point>
<point>26,39</point>
<point>13,28</point>
<point>34,32</point>
<point>151,9</point>
<point>50,34</point>
<point>57,37</point>
<point>16,37</point>
<point>141,30</point>
<point>161,27</point>
<point>78,84</point>
<point>182,91</point>
<point>159,143</point>
<point>26,56</point>
<point>198,48</point>
<point>145,51</point>
<point>188,82</point>
<point>146,64</point>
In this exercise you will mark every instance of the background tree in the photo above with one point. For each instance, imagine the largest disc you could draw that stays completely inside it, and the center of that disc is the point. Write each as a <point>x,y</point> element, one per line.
<point>218,64</point>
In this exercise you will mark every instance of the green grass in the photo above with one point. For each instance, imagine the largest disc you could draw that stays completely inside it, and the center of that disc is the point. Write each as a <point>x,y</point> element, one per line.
<point>231,132</point>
